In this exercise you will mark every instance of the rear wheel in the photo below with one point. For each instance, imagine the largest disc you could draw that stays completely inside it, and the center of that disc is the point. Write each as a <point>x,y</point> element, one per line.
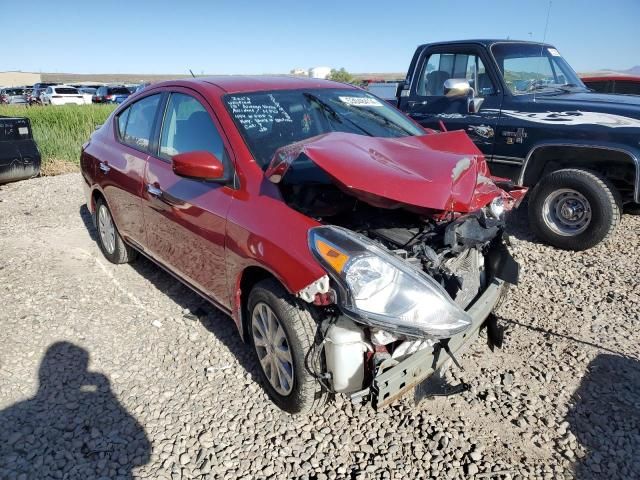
<point>574,209</point>
<point>109,240</point>
<point>282,333</point>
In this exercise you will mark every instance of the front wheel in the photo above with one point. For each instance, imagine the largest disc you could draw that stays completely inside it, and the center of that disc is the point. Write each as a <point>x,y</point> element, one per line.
<point>282,333</point>
<point>574,209</point>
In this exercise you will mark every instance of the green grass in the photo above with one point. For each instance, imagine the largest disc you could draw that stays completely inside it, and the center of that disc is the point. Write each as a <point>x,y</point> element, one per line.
<point>61,130</point>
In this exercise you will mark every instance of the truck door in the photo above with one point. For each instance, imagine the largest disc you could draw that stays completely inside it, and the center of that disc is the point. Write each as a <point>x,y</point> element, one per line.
<point>428,104</point>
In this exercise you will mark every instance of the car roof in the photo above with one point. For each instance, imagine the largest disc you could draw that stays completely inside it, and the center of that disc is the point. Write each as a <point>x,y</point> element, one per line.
<point>487,42</point>
<point>600,78</point>
<point>257,83</point>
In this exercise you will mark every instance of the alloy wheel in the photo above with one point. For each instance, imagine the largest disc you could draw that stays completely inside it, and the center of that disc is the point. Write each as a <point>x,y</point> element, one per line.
<point>106,229</point>
<point>272,348</point>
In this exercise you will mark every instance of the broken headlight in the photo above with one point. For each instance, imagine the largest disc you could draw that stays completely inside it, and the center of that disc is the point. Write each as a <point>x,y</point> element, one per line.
<point>380,290</point>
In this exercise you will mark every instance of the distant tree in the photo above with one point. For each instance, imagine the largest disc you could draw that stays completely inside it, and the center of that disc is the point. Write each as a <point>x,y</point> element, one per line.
<point>341,76</point>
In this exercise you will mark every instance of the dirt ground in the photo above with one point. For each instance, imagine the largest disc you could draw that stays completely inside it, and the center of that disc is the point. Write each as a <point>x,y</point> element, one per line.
<point>120,371</point>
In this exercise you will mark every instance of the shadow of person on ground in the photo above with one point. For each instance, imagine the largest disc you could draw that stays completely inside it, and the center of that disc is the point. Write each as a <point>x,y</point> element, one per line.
<point>73,428</point>
<point>605,419</point>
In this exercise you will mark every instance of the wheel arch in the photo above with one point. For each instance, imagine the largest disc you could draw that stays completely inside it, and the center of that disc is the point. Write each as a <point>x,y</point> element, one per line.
<point>245,281</point>
<point>619,164</point>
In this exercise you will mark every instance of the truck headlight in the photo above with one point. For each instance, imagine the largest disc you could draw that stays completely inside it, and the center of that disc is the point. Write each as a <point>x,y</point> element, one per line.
<point>380,290</point>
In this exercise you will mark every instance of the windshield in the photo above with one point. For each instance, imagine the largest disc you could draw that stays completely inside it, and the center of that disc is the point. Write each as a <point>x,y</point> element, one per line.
<point>14,91</point>
<point>66,90</point>
<point>119,91</point>
<point>529,68</point>
<point>270,120</point>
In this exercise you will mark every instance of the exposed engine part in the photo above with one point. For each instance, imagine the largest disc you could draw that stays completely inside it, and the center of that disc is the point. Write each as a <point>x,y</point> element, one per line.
<point>468,269</point>
<point>382,337</point>
<point>321,285</point>
<point>345,347</point>
<point>411,346</point>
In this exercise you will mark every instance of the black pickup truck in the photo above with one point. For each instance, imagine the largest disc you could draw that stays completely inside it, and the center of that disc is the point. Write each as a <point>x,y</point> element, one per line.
<point>19,155</point>
<point>538,124</point>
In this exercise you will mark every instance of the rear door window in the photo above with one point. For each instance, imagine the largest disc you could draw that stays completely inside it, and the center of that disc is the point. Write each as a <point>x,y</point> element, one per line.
<point>135,124</point>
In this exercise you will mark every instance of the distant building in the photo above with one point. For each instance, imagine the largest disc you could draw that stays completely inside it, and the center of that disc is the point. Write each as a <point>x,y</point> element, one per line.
<point>319,72</point>
<point>299,71</point>
<point>17,79</point>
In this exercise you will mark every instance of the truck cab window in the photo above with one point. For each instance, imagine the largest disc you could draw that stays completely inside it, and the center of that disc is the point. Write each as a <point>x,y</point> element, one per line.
<point>440,67</point>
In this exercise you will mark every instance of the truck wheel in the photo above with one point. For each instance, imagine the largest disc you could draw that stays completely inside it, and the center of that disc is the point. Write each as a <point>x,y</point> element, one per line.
<point>282,332</point>
<point>113,247</point>
<point>574,209</point>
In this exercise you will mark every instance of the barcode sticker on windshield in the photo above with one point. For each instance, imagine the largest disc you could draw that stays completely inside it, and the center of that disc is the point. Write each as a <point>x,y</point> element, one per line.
<point>360,101</point>
<point>23,130</point>
<point>553,52</point>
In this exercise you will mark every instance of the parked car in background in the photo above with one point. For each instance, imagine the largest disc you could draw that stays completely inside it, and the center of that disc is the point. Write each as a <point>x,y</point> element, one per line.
<point>19,155</point>
<point>111,94</point>
<point>13,96</point>
<point>140,87</point>
<point>538,124</point>
<point>37,91</point>
<point>62,95</point>
<point>620,84</point>
<point>251,191</point>
<point>87,94</point>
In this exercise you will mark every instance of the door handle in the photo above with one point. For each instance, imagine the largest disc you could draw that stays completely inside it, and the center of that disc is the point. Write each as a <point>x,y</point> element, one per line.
<point>153,190</point>
<point>104,167</point>
<point>413,103</point>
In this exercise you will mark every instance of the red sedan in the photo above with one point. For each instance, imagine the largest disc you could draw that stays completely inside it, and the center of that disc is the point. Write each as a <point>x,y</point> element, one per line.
<point>355,251</point>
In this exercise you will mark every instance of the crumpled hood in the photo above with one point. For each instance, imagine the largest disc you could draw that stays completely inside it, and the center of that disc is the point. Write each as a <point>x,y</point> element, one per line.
<point>443,171</point>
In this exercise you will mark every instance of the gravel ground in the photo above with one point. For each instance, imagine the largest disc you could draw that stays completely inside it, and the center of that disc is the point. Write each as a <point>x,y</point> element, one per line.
<point>120,371</point>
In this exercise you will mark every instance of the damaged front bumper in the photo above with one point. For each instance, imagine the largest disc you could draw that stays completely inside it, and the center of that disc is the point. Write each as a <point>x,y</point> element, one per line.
<point>396,381</point>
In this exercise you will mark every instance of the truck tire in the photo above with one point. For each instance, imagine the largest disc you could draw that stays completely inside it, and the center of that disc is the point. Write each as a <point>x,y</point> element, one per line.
<point>282,332</point>
<point>109,240</point>
<point>574,209</point>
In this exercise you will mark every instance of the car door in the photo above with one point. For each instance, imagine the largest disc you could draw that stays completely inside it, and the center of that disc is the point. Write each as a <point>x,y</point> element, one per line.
<point>429,106</point>
<point>120,170</point>
<point>185,218</point>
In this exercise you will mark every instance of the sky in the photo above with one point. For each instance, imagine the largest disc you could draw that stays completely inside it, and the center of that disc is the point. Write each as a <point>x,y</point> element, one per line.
<point>254,37</point>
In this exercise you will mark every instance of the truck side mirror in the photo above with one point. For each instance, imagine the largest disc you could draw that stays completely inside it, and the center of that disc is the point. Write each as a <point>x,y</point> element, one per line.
<point>457,87</point>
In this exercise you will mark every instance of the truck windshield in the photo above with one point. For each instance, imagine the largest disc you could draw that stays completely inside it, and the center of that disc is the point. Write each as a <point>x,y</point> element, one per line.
<point>529,68</point>
<point>270,120</point>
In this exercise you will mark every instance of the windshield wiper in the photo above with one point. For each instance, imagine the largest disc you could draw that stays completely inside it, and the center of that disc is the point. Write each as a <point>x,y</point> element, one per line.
<point>329,109</point>
<point>566,88</point>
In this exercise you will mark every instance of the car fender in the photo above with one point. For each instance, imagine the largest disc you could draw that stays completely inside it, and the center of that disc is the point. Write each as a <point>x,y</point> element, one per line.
<point>632,155</point>
<point>276,243</point>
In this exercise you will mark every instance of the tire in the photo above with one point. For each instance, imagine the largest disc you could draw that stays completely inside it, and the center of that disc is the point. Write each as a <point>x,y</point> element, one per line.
<point>574,209</point>
<point>113,247</point>
<point>304,393</point>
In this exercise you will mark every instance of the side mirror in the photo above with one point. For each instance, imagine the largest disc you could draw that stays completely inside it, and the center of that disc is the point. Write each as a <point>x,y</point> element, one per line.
<point>199,164</point>
<point>457,87</point>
